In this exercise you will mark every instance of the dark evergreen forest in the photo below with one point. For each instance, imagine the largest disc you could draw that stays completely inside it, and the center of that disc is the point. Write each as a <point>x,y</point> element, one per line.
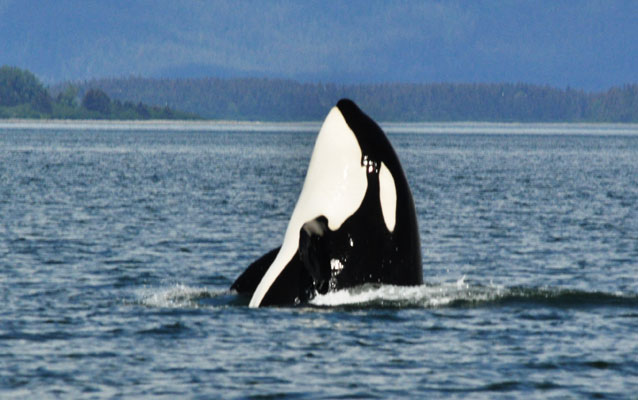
<point>22,95</point>
<point>286,100</point>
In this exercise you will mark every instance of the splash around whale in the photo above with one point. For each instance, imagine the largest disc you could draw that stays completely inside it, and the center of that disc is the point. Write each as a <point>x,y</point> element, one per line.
<point>354,222</point>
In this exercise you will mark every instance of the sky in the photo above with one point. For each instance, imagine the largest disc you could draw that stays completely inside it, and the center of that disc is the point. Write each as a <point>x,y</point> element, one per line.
<point>586,44</point>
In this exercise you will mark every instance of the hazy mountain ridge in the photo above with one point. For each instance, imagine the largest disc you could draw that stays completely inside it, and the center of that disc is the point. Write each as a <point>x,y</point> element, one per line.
<point>588,44</point>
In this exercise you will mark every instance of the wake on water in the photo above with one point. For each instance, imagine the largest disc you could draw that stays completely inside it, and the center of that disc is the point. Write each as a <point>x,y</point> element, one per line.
<point>453,294</point>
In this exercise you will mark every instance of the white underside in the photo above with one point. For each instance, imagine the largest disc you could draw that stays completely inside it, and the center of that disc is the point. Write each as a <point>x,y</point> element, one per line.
<point>335,186</point>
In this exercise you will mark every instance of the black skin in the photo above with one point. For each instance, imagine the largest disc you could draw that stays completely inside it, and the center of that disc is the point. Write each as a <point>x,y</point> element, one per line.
<point>362,250</point>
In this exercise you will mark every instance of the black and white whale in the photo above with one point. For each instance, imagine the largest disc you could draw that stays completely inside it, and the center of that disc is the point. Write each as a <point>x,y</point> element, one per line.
<point>354,221</point>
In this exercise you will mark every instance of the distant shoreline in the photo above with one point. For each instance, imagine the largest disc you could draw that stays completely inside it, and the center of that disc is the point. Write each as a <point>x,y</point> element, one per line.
<point>149,121</point>
<point>466,127</point>
<point>158,124</point>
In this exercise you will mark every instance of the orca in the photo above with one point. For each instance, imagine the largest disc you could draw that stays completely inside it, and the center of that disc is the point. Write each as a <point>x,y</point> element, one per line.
<point>354,222</point>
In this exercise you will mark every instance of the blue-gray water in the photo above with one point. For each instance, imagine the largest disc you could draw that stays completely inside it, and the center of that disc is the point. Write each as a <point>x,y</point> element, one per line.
<point>117,247</point>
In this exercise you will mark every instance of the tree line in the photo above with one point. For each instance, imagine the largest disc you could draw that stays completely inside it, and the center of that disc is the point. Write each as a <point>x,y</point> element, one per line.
<point>286,100</point>
<point>22,95</point>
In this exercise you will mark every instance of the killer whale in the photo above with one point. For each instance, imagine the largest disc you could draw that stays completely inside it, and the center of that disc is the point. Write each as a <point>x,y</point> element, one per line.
<point>354,222</point>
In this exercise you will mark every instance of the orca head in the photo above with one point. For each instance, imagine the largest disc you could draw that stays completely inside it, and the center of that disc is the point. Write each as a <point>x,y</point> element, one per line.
<point>354,221</point>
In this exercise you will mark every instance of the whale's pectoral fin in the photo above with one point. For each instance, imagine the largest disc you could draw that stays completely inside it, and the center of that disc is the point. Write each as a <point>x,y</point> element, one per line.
<point>250,278</point>
<point>292,286</point>
<point>314,252</point>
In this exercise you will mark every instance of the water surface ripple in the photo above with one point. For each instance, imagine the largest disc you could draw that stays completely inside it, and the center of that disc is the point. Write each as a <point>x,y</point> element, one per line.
<point>117,247</point>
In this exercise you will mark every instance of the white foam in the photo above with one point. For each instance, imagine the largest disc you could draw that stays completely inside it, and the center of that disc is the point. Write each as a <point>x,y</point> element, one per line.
<point>178,296</point>
<point>430,295</point>
<point>406,296</point>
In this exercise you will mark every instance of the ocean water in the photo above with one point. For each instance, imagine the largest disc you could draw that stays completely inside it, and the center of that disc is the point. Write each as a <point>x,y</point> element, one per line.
<point>118,243</point>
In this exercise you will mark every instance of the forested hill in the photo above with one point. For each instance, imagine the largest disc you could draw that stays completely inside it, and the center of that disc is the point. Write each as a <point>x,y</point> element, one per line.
<point>22,95</point>
<point>285,100</point>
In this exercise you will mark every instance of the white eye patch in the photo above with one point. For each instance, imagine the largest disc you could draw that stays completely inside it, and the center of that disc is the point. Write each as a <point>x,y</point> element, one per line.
<point>388,197</point>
